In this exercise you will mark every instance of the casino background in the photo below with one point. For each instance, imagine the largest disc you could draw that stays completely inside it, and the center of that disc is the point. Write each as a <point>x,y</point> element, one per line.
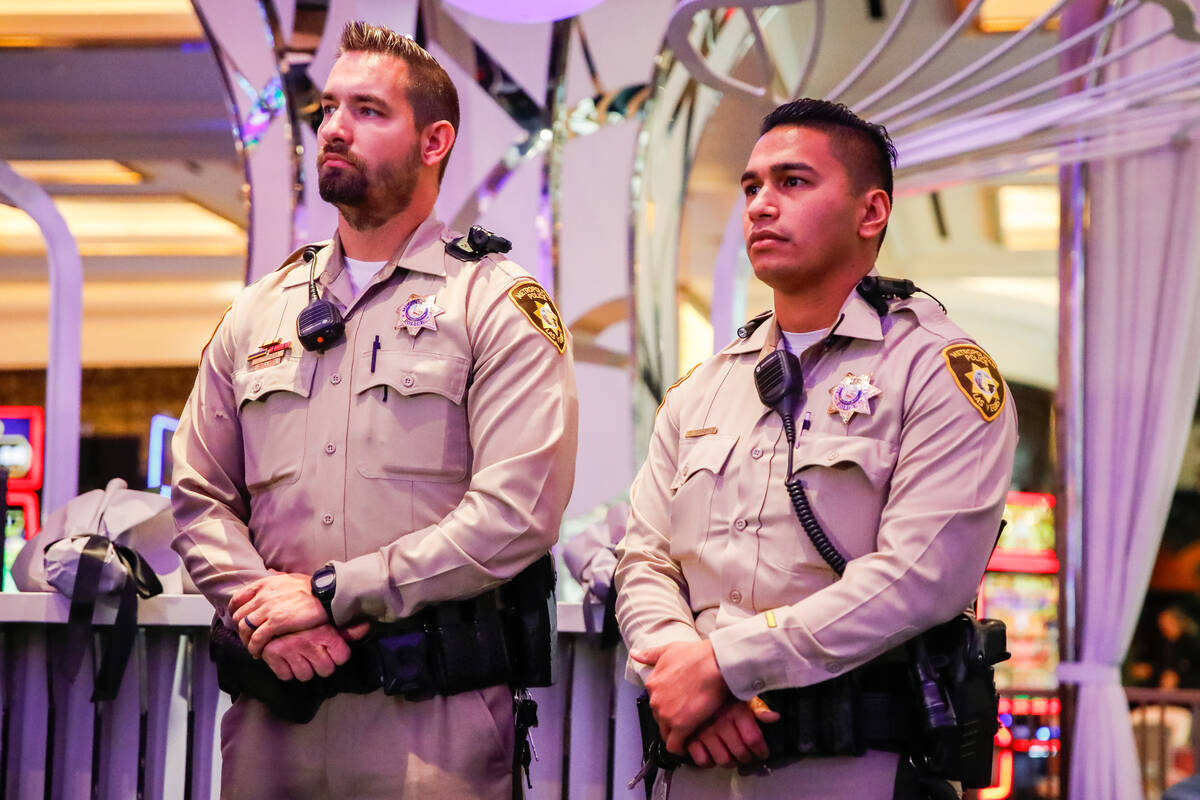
<point>605,140</point>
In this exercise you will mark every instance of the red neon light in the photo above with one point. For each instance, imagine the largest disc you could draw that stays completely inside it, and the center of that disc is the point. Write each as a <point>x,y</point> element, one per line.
<point>1004,779</point>
<point>28,503</point>
<point>1031,499</point>
<point>1043,562</point>
<point>36,415</point>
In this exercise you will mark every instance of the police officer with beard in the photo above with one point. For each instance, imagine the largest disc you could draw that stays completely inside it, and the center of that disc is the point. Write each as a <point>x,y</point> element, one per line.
<point>423,455</point>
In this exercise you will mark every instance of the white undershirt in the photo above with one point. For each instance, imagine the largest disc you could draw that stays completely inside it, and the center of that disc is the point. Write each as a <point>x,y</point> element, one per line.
<point>361,272</point>
<point>797,343</point>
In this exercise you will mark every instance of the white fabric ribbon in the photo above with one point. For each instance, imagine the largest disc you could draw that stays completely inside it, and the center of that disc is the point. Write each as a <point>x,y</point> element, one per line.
<point>1088,673</point>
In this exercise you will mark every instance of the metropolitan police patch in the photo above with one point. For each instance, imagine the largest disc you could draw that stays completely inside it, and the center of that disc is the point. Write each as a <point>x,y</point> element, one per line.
<point>539,309</point>
<point>978,378</point>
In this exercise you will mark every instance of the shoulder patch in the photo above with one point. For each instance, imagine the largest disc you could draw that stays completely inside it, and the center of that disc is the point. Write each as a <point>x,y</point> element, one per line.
<point>977,377</point>
<point>535,303</point>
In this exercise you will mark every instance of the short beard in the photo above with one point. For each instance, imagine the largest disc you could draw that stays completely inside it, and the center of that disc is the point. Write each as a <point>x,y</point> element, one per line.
<point>368,199</point>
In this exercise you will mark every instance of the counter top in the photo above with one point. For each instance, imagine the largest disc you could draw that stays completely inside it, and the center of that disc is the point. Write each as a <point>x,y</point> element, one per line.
<point>194,611</point>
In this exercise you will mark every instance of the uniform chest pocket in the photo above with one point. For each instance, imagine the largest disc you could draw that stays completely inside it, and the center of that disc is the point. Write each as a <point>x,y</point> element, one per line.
<point>694,514</point>
<point>847,480</point>
<point>273,413</point>
<point>410,418</point>
<point>702,454</point>
<point>873,458</point>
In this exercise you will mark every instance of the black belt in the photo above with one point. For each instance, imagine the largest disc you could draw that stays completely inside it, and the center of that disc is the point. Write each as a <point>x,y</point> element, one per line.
<point>866,709</point>
<point>502,637</point>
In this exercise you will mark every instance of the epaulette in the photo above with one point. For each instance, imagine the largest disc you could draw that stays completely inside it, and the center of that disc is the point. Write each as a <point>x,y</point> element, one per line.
<point>747,330</point>
<point>478,242</point>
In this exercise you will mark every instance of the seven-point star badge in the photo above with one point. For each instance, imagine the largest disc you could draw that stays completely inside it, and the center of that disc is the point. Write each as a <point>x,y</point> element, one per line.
<point>418,312</point>
<point>852,395</point>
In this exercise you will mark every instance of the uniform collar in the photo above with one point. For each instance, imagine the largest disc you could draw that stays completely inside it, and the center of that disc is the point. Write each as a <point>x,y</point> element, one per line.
<point>424,251</point>
<point>857,320</point>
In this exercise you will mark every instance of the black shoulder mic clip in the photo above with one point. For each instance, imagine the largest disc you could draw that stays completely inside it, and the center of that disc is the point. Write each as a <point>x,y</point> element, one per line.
<point>478,242</point>
<point>878,290</point>
<point>320,325</point>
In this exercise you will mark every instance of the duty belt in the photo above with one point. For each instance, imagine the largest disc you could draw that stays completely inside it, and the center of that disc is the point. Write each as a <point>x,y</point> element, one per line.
<point>503,637</point>
<point>844,716</point>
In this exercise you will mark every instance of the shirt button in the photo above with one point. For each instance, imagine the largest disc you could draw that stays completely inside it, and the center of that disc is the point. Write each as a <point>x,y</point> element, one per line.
<point>335,379</point>
<point>756,452</point>
<point>833,456</point>
<point>331,448</point>
<point>735,596</point>
<point>408,381</point>
<point>740,524</point>
<point>257,386</point>
<point>758,685</point>
<point>834,666</point>
<point>327,519</point>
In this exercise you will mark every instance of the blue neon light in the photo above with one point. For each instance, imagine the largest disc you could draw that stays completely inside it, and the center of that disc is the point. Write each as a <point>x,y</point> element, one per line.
<point>160,426</point>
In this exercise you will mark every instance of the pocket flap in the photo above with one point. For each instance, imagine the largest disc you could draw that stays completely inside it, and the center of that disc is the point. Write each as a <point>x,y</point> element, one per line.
<point>291,375</point>
<point>703,453</point>
<point>874,457</point>
<point>412,373</point>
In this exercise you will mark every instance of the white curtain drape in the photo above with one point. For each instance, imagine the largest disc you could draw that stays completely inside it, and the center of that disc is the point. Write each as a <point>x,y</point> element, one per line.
<point>1141,374</point>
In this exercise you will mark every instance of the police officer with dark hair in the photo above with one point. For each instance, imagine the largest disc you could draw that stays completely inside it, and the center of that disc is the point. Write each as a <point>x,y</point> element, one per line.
<point>382,435</point>
<point>865,416</point>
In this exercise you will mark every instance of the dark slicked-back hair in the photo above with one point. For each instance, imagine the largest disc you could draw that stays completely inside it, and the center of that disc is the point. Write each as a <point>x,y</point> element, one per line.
<point>430,92</point>
<point>864,148</point>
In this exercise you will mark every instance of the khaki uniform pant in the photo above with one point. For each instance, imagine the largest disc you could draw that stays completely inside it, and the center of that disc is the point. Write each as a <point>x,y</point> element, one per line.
<point>372,746</point>
<point>869,777</point>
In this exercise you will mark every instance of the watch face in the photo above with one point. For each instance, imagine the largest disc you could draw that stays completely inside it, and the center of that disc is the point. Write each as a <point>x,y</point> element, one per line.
<point>323,579</point>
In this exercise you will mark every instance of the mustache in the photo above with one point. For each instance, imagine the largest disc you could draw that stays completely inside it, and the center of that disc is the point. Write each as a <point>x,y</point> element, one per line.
<point>342,152</point>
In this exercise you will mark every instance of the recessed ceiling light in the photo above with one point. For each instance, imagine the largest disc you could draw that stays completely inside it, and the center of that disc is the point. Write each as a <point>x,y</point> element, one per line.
<point>74,22</point>
<point>90,172</point>
<point>1006,16</point>
<point>128,226</point>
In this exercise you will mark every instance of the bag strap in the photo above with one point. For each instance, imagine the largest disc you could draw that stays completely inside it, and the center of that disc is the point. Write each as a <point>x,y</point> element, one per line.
<point>117,641</point>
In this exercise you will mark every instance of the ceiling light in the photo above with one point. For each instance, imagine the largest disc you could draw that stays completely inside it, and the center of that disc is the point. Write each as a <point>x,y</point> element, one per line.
<point>1006,16</point>
<point>1028,216</point>
<point>70,22</point>
<point>92,172</point>
<point>128,226</point>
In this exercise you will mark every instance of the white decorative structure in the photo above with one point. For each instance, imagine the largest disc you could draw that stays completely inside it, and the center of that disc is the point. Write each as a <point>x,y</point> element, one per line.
<point>63,366</point>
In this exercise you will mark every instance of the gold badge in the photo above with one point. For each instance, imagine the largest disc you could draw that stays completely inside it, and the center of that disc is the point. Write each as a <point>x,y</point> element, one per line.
<point>852,396</point>
<point>418,313</point>
<point>268,354</point>
<point>538,308</point>
<point>978,378</point>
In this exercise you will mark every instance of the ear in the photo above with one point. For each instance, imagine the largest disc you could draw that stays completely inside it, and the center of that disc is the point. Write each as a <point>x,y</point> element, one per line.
<point>436,141</point>
<point>876,208</point>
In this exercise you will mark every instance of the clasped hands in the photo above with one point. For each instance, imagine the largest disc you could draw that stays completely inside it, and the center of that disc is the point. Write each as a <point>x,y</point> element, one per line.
<point>281,622</point>
<point>696,711</point>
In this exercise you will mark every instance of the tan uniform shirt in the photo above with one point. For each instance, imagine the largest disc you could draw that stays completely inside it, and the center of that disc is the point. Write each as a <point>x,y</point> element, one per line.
<point>426,467</point>
<point>910,490</point>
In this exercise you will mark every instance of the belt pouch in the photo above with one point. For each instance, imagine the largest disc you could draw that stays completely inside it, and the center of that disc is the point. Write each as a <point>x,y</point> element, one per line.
<point>469,650</point>
<point>805,723</point>
<point>840,716</point>
<point>402,662</point>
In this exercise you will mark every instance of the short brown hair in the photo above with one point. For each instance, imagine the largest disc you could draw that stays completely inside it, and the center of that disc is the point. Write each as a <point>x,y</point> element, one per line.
<point>430,92</point>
